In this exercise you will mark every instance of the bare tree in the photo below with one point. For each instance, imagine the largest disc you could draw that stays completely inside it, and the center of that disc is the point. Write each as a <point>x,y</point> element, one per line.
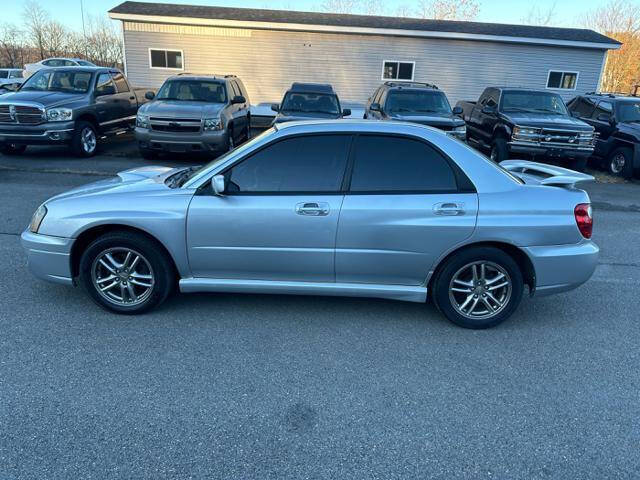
<point>373,7</point>
<point>56,39</point>
<point>619,19</point>
<point>13,45</point>
<point>448,9</point>
<point>340,6</point>
<point>540,16</point>
<point>404,10</point>
<point>36,20</point>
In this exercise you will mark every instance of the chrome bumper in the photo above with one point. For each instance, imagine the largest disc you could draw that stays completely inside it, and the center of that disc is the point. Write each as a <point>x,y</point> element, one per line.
<point>560,268</point>
<point>49,258</point>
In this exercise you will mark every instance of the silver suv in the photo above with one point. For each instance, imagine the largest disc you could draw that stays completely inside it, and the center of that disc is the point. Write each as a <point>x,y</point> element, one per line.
<point>206,114</point>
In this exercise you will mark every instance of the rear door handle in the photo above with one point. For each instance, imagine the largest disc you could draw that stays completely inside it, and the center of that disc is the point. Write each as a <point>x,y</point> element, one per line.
<point>448,208</point>
<point>313,209</point>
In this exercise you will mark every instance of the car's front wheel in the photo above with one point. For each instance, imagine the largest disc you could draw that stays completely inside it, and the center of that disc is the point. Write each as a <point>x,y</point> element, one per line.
<point>126,272</point>
<point>85,139</point>
<point>12,149</point>
<point>478,287</point>
<point>499,150</point>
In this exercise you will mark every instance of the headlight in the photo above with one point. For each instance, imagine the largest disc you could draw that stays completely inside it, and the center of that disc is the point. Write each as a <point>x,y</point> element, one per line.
<point>142,121</point>
<point>59,114</point>
<point>212,124</point>
<point>526,134</point>
<point>37,218</point>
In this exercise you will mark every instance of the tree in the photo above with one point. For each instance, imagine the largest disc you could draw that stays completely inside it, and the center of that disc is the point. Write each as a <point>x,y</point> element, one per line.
<point>340,6</point>
<point>36,20</point>
<point>12,44</point>
<point>540,16</point>
<point>619,19</point>
<point>448,9</point>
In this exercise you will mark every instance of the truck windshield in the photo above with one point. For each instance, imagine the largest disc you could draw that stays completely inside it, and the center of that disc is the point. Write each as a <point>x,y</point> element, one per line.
<point>193,91</point>
<point>629,111</point>
<point>533,102</point>
<point>58,81</point>
<point>310,103</point>
<point>400,101</point>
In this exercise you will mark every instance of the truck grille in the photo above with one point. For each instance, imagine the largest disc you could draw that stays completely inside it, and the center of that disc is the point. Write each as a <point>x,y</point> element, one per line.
<point>564,137</point>
<point>175,125</point>
<point>22,114</point>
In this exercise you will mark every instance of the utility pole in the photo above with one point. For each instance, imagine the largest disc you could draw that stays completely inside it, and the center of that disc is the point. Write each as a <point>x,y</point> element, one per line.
<point>84,31</point>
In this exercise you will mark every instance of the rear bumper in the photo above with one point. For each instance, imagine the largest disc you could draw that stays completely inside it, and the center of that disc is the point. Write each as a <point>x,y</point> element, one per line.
<point>49,258</point>
<point>214,141</point>
<point>560,268</point>
<point>550,151</point>
<point>50,133</point>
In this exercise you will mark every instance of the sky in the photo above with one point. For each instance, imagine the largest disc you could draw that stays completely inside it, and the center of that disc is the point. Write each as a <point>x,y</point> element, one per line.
<point>566,13</point>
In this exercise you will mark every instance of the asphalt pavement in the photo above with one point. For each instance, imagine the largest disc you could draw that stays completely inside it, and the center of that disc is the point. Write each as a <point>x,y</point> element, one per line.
<point>277,387</point>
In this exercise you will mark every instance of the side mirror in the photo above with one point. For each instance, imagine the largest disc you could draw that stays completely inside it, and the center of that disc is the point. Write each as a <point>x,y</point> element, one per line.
<point>346,112</point>
<point>238,99</point>
<point>487,110</point>
<point>375,107</point>
<point>106,90</point>
<point>457,110</point>
<point>218,184</point>
<point>150,95</point>
<point>275,107</point>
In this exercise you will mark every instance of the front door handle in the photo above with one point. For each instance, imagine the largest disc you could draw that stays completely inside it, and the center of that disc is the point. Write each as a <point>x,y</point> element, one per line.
<point>448,208</point>
<point>313,209</point>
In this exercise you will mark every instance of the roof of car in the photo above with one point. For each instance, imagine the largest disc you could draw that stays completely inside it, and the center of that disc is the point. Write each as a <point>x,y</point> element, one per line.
<point>613,96</point>
<point>283,17</point>
<point>311,88</point>
<point>201,76</point>
<point>79,68</point>
<point>411,85</point>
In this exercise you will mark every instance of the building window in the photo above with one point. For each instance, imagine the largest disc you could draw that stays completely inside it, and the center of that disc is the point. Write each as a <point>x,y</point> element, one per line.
<point>562,80</point>
<point>393,70</point>
<point>167,59</point>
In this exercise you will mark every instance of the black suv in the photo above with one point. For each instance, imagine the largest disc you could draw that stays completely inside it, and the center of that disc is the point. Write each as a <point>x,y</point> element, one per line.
<point>308,101</point>
<point>415,102</point>
<point>616,119</point>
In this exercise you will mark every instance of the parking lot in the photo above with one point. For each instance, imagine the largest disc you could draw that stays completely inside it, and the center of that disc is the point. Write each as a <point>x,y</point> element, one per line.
<point>257,386</point>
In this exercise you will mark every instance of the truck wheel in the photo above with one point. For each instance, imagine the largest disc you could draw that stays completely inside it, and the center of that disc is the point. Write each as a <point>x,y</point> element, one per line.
<point>499,150</point>
<point>12,149</point>
<point>478,288</point>
<point>85,139</point>
<point>579,164</point>
<point>620,162</point>
<point>126,272</point>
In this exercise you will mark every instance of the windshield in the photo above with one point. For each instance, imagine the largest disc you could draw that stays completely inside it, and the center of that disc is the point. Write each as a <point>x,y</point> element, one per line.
<point>59,81</point>
<point>535,102</point>
<point>417,102</point>
<point>310,103</point>
<point>629,111</point>
<point>193,91</point>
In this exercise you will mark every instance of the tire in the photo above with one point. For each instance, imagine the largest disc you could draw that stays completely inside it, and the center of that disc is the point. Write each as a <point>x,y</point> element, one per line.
<point>149,292</point>
<point>620,162</point>
<point>85,139</point>
<point>578,164</point>
<point>12,149</point>
<point>147,154</point>
<point>459,267</point>
<point>231,144</point>
<point>499,150</point>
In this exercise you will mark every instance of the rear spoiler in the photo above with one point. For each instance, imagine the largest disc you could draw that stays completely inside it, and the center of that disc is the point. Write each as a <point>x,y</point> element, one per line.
<point>543,174</point>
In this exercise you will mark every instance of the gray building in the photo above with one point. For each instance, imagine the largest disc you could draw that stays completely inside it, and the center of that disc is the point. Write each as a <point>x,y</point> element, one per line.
<point>270,49</point>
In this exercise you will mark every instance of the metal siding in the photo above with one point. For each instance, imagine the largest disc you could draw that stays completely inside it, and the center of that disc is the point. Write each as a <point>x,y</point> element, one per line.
<point>269,61</point>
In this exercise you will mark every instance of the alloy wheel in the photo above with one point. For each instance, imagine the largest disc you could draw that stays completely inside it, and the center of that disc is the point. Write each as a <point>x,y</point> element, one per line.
<point>480,290</point>
<point>122,276</point>
<point>88,139</point>
<point>617,163</point>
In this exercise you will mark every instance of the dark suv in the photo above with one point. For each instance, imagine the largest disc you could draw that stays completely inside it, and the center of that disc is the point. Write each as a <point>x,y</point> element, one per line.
<point>616,119</point>
<point>415,102</point>
<point>308,101</point>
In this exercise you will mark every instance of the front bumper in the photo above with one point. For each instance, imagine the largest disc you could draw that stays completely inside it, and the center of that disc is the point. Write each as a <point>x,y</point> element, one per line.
<point>211,141</point>
<point>560,268</point>
<point>49,258</point>
<point>49,133</point>
<point>560,151</point>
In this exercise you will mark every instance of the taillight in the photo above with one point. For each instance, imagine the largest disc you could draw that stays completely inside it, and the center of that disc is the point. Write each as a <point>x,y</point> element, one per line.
<point>584,219</point>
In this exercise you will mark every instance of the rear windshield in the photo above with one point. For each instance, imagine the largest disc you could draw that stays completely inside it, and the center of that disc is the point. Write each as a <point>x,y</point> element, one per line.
<point>69,81</point>
<point>193,91</point>
<point>84,63</point>
<point>533,102</point>
<point>310,103</point>
<point>415,101</point>
<point>629,111</point>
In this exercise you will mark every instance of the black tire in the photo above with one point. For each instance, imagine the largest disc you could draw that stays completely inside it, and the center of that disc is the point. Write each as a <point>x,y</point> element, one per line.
<point>445,275</point>
<point>620,162</point>
<point>231,143</point>
<point>12,149</point>
<point>578,164</point>
<point>81,148</point>
<point>161,266</point>
<point>499,150</point>
<point>147,154</point>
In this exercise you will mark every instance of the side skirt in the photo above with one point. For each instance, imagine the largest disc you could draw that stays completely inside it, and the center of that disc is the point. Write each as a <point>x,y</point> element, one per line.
<point>404,293</point>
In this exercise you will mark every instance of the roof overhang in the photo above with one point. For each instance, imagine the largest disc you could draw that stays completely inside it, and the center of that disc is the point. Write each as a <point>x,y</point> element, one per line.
<point>300,27</point>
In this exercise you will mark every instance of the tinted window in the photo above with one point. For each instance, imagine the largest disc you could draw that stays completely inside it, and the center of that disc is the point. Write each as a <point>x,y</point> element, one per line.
<point>417,101</point>
<point>58,81</point>
<point>104,82</point>
<point>395,164</point>
<point>121,83</point>
<point>193,91</point>
<point>535,102</point>
<point>603,108</point>
<point>582,107</point>
<point>4,74</point>
<point>301,164</point>
<point>16,74</point>
<point>310,103</point>
<point>629,112</point>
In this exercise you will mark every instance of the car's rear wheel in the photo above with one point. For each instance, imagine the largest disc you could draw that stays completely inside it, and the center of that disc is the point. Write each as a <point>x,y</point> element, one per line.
<point>126,272</point>
<point>478,287</point>
<point>499,150</point>
<point>12,149</point>
<point>85,139</point>
<point>620,162</point>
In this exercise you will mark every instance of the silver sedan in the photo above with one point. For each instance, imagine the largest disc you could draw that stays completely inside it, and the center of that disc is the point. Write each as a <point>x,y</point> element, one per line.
<point>348,207</point>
